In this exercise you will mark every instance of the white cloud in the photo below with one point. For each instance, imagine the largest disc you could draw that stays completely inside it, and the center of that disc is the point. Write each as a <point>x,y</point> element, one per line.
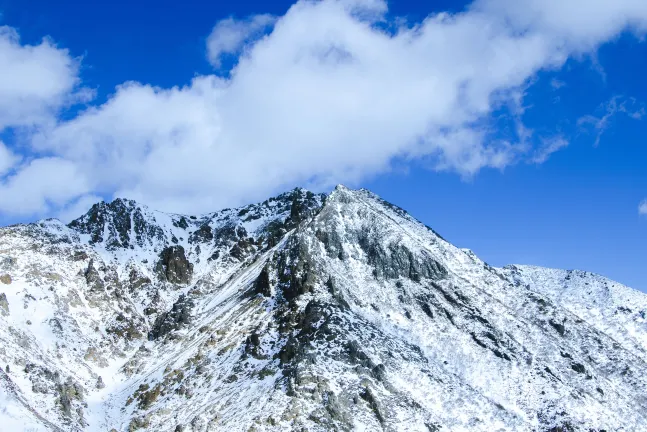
<point>41,186</point>
<point>230,35</point>
<point>330,96</point>
<point>7,159</point>
<point>35,81</point>
<point>548,147</point>
<point>642,208</point>
<point>557,84</point>
<point>77,207</point>
<point>616,105</point>
<point>575,26</point>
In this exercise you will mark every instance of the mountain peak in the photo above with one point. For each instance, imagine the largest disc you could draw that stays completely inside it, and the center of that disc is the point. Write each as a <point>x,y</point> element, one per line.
<point>304,312</point>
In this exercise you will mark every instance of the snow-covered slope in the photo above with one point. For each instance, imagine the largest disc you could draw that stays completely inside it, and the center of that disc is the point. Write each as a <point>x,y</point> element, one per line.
<point>304,312</point>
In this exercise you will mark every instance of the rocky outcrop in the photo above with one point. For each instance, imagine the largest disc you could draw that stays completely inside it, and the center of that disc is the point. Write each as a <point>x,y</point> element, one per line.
<point>262,285</point>
<point>309,313</point>
<point>204,234</point>
<point>93,278</point>
<point>4,305</point>
<point>396,261</point>
<point>5,279</point>
<point>173,266</point>
<point>178,317</point>
<point>119,224</point>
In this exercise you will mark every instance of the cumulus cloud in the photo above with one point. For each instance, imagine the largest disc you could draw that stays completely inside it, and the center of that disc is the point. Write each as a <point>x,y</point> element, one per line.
<point>335,92</point>
<point>35,81</point>
<point>230,35</point>
<point>7,159</point>
<point>77,207</point>
<point>41,186</point>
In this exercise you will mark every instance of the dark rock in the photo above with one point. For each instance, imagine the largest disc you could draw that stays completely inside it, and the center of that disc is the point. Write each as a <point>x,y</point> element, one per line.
<point>214,256</point>
<point>178,316</point>
<point>125,328</point>
<point>237,252</point>
<point>294,275</point>
<point>68,392</point>
<point>295,211</point>
<point>262,283</point>
<point>241,232</point>
<point>93,278</point>
<point>432,427</point>
<point>579,368</point>
<point>379,372</point>
<point>274,231</point>
<point>203,234</point>
<point>79,256</point>
<point>173,266</point>
<point>147,397</point>
<point>56,324</point>
<point>137,280</point>
<point>138,423</point>
<point>253,346</point>
<point>398,261</point>
<point>182,223</point>
<point>558,327</point>
<point>357,356</point>
<point>373,403</point>
<point>566,427</point>
<point>4,305</point>
<point>118,220</point>
<point>424,303</point>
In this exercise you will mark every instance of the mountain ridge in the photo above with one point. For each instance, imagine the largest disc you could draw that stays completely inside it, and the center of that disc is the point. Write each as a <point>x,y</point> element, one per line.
<point>323,312</point>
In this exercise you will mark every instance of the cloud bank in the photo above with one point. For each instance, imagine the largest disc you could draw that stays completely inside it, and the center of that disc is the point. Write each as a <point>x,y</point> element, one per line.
<point>35,81</point>
<point>335,92</point>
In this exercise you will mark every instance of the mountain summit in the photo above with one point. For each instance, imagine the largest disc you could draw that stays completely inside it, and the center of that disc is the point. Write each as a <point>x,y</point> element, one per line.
<point>304,312</point>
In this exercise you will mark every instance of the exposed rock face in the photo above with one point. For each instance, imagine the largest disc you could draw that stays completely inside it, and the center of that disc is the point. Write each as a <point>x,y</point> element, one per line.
<point>202,235</point>
<point>174,266</point>
<point>120,224</point>
<point>93,278</point>
<point>304,312</point>
<point>178,316</point>
<point>5,279</point>
<point>4,304</point>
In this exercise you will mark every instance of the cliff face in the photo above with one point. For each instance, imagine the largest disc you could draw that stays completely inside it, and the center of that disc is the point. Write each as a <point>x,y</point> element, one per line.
<point>304,312</point>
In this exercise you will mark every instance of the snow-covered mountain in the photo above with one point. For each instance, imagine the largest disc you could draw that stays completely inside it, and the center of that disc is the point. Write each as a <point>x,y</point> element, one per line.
<point>308,313</point>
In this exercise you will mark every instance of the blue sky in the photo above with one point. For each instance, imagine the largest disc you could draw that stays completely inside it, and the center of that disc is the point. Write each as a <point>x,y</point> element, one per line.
<point>536,155</point>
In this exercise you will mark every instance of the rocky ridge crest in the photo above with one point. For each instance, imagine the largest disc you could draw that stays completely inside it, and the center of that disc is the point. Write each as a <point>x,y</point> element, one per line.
<point>304,312</point>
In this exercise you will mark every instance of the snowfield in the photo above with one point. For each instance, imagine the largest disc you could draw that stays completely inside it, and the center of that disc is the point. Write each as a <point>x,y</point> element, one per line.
<point>304,312</point>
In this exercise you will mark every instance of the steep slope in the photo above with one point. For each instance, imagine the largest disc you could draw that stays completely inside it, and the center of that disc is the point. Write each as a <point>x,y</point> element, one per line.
<point>304,312</point>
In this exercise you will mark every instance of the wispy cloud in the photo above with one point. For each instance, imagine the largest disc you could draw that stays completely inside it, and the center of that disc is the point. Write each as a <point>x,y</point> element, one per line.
<point>548,147</point>
<point>230,35</point>
<point>642,208</point>
<point>617,105</point>
<point>557,84</point>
